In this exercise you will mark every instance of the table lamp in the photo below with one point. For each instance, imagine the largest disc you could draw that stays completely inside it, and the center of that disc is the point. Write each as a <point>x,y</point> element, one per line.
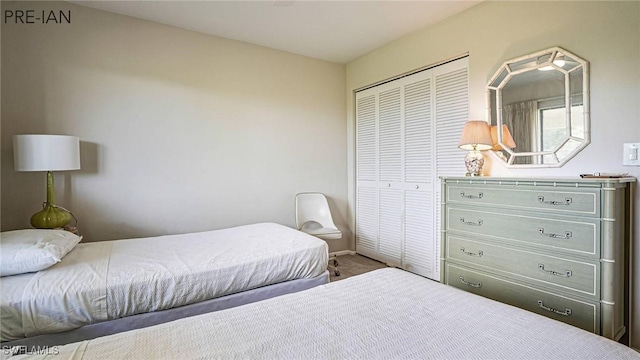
<point>476,137</point>
<point>47,153</point>
<point>507,140</point>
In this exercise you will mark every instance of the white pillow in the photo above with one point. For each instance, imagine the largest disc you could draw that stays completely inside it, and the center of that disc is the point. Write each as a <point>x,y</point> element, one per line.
<point>23,251</point>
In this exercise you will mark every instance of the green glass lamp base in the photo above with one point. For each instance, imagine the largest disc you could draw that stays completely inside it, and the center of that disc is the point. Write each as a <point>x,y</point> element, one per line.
<point>50,217</point>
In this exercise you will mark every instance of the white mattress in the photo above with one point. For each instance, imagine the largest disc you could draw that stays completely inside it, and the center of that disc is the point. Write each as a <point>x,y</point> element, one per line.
<point>108,280</point>
<point>385,314</point>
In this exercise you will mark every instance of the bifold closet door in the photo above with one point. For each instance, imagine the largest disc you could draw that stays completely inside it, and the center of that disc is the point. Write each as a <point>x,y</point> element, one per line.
<point>393,145</point>
<point>451,112</point>
<point>419,251</point>
<point>390,187</point>
<point>366,174</point>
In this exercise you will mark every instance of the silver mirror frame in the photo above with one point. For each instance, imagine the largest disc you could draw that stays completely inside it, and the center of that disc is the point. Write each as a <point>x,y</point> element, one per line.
<point>503,78</point>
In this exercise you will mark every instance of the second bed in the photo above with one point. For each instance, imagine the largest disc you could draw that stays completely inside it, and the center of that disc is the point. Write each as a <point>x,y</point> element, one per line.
<point>111,286</point>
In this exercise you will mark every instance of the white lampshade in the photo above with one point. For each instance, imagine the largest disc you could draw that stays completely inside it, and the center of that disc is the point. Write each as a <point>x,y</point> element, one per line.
<point>46,152</point>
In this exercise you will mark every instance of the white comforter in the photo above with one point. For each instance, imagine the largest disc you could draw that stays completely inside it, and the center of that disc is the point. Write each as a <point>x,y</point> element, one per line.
<point>385,314</point>
<point>112,279</point>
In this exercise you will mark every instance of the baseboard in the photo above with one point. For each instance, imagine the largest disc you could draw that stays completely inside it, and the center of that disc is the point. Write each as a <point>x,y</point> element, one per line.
<point>342,252</point>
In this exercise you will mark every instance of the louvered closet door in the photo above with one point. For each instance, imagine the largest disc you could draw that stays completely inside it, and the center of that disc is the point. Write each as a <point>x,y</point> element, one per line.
<point>419,245</point>
<point>451,113</point>
<point>390,173</point>
<point>366,174</point>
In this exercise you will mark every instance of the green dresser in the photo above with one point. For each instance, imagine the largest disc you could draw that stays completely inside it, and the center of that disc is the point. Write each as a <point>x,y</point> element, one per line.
<point>555,247</point>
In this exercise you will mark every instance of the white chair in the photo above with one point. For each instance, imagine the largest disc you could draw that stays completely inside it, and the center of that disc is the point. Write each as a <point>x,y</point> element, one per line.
<point>313,217</point>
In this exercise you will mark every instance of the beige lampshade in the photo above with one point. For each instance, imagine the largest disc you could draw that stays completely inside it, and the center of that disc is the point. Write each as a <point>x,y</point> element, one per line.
<point>507,139</point>
<point>476,135</point>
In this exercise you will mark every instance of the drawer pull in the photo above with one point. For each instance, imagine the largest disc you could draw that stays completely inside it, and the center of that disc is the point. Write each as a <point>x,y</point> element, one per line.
<point>478,254</point>
<point>567,234</point>
<point>567,273</point>
<point>567,201</point>
<point>566,312</point>
<point>478,285</point>
<point>471,196</point>
<point>479,223</point>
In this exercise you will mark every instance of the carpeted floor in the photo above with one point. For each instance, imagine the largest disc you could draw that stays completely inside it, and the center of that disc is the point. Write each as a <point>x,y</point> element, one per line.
<point>351,265</point>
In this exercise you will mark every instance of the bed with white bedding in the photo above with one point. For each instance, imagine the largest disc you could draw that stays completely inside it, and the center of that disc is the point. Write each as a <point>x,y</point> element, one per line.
<point>384,314</point>
<point>102,282</point>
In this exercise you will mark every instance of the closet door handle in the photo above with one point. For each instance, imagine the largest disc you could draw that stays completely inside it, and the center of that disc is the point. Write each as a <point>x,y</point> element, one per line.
<point>567,234</point>
<point>478,254</point>
<point>567,201</point>
<point>471,223</point>
<point>471,196</point>
<point>566,312</point>
<point>477,285</point>
<point>567,273</point>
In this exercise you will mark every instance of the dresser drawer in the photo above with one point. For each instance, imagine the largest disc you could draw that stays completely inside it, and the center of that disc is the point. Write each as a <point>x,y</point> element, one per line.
<point>582,314</point>
<point>576,237</point>
<point>578,277</point>
<point>585,202</point>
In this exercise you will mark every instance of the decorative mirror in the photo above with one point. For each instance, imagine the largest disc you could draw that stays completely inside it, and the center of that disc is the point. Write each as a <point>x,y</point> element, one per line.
<point>539,109</point>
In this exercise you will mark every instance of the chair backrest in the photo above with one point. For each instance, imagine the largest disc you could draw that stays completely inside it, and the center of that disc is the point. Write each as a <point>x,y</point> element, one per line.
<point>313,207</point>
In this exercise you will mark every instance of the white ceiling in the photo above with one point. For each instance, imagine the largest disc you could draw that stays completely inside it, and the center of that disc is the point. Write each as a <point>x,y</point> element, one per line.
<point>336,31</point>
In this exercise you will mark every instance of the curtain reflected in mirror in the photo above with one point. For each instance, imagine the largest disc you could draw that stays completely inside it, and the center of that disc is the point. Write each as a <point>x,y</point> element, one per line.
<point>520,119</point>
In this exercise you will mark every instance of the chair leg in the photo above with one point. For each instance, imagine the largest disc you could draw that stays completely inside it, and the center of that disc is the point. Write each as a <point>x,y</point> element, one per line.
<point>336,272</point>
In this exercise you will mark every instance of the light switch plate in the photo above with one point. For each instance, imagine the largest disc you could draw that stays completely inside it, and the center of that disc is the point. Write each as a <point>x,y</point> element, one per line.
<point>631,156</point>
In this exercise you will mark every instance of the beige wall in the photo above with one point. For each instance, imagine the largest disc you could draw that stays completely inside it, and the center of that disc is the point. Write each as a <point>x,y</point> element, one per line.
<point>180,131</point>
<point>605,33</point>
